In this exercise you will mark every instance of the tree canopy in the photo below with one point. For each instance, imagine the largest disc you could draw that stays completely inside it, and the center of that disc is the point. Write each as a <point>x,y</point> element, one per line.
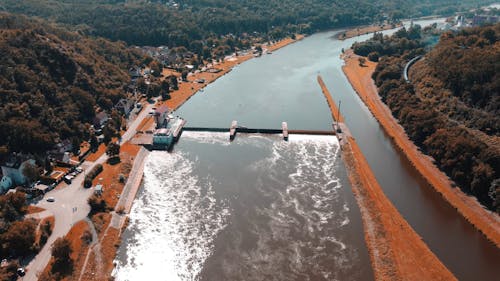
<point>51,80</point>
<point>451,109</point>
<point>183,22</point>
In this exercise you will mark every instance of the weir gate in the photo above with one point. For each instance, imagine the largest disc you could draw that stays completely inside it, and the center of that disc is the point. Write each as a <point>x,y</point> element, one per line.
<point>146,138</point>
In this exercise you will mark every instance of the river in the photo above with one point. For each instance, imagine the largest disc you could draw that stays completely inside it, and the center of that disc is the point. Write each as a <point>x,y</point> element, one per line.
<point>263,209</point>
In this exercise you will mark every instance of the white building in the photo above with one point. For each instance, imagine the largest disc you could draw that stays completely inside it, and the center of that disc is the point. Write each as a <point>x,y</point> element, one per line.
<point>14,166</point>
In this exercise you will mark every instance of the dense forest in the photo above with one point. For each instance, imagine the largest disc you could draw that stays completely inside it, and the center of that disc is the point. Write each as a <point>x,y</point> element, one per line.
<point>451,108</point>
<point>178,23</point>
<point>52,81</point>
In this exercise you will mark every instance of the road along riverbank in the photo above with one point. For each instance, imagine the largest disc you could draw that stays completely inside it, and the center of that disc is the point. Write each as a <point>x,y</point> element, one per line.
<point>396,250</point>
<point>483,220</point>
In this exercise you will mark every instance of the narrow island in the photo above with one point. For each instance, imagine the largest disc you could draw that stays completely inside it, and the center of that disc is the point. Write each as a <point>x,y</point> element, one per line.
<point>396,250</point>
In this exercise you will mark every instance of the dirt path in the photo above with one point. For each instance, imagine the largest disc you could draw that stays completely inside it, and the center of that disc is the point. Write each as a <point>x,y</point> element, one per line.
<point>396,250</point>
<point>360,78</point>
<point>96,248</point>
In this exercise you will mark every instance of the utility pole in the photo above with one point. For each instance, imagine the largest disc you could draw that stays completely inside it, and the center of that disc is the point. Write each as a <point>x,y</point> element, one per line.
<point>338,115</point>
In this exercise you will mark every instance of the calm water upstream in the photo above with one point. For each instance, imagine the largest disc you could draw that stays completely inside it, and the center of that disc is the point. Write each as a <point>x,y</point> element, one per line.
<point>263,209</point>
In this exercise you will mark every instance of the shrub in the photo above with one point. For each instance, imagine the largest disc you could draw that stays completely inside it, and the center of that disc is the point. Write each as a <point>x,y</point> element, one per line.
<point>97,204</point>
<point>361,61</point>
<point>121,178</point>
<point>114,160</point>
<point>61,251</point>
<point>373,56</point>
<point>91,175</point>
<point>87,237</point>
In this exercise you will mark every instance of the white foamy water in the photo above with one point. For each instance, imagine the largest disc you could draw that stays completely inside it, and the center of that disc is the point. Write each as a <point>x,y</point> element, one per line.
<point>288,217</point>
<point>174,222</point>
<point>308,211</point>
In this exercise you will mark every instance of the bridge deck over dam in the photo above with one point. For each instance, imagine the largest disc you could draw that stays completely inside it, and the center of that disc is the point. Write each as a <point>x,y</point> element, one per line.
<point>146,138</point>
<point>258,131</point>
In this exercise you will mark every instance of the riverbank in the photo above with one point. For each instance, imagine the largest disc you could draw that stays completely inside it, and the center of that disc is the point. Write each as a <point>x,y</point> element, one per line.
<point>396,250</point>
<point>362,30</point>
<point>360,78</point>
<point>101,257</point>
<point>190,87</point>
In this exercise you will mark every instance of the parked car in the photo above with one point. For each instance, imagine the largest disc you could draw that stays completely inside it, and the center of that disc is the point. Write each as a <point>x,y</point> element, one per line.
<point>20,271</point>
<point>51,199</point>
<point>67,179</point>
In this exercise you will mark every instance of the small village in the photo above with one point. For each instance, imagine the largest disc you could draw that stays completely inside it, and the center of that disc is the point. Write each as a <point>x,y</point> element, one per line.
<point>100,168</point>
<point>110,171</point>
<point>36,175</point>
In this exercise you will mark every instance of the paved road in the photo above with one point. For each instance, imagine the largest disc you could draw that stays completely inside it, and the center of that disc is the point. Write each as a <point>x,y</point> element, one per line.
<point>132,127</point>
<point>71,205</point>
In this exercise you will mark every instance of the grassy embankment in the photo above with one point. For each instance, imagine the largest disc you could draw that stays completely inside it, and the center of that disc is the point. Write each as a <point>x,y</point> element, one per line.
<point>360,78</point>
<point>396,250</point>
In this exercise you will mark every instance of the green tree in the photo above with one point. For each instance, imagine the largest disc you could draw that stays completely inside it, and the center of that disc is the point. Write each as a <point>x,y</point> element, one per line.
<point>184,75</point>
<point>165,89</point>
<point>113,149</point>
<point>361,61</point>
<point>156,68</point>
<point>61,251</point>
<point>20,237</point>
<point>94,143</point>
<point>48,166</point>
<point>173,82</point>
<point>75,144</point>
<point>30,171</point>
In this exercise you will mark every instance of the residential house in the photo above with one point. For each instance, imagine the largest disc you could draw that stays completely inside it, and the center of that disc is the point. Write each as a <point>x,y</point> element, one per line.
<point>100,119</point>
<point>5,184</point>
<point>62,157</point>
<point>125,105</point>
<point>63,146</point>
<point>161,116</point>
<point>484,19</point>
<point>135,72</point>
<point>14,166</point>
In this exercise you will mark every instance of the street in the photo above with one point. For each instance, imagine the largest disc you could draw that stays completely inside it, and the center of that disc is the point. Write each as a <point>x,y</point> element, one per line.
<point>70,204</point>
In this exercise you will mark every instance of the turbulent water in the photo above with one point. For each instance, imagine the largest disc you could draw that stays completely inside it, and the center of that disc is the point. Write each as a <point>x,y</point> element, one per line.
<point>256,209</point>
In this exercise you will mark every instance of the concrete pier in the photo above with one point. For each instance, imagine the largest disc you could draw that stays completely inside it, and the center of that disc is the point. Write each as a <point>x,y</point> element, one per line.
<point>284,128</point>
<point>232,130</point>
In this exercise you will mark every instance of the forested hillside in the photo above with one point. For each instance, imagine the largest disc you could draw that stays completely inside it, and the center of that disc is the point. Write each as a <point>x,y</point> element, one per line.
<point>177,23</point>
<point>51,80</point>
<point>451,108</point>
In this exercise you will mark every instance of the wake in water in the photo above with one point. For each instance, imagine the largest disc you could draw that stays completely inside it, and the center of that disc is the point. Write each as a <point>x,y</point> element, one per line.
<point>295,227</point>
<point>258,208</point>
<point>173,223</point>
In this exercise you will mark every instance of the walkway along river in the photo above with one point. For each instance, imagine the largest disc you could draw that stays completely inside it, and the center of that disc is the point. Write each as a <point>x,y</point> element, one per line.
<point>236,219</point>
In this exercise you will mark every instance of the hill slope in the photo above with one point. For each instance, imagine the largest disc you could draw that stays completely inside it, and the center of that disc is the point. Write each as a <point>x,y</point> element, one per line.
<point>50,81</point>
<point>451,108</point>
<point>176,23</point>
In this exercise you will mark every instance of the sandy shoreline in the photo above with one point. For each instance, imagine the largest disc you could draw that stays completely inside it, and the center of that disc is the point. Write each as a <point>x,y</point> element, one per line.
<point>396,250</point>
<point>360,78</point>
<point>362,30</point>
